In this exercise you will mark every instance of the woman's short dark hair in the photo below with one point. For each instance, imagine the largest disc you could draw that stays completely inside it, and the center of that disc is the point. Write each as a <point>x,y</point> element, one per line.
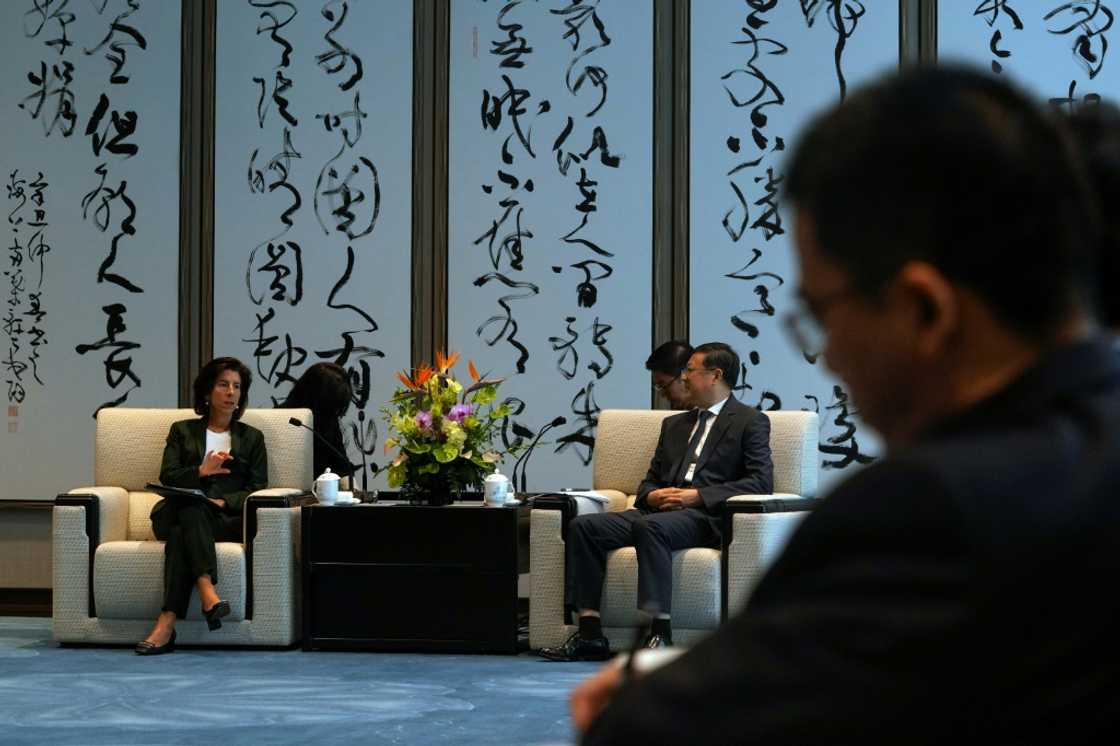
<point>670,358</point>
<point>325,389</point>
<point>720,356</point>
<point>208,376</point>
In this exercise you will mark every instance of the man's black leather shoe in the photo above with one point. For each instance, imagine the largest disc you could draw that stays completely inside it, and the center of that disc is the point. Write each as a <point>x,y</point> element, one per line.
<point>579,648</point>
<point>655,641</point>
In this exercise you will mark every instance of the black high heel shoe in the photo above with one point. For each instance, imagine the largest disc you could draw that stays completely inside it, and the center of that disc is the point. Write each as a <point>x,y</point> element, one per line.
<point>215,614</point>
<point>147,648</point>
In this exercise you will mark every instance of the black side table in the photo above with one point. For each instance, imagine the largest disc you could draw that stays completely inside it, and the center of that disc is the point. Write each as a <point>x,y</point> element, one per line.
<point>393,576</point>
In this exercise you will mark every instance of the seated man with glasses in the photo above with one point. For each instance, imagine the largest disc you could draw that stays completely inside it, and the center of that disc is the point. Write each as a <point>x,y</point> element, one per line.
<point>666,365</point>
<point>704,456</point>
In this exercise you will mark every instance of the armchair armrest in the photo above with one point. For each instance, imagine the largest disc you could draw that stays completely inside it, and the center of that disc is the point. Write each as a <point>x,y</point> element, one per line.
<point>112,505</point>
<point>284,498</point>
<point>755,530</point>
<point>82,519</point>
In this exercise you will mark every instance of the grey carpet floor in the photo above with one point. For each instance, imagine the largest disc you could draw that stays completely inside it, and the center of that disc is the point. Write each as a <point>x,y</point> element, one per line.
<point>59,695</point>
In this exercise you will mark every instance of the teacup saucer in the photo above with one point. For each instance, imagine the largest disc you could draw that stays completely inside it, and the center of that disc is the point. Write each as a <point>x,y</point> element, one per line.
<point>510,503</point>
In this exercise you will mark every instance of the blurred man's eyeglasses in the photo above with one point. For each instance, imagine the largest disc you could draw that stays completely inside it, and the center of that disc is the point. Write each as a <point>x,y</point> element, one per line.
<point>803,324</point>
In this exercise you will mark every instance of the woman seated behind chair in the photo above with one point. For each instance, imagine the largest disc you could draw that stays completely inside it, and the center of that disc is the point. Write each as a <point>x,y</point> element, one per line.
<point>226,459</point>
<point>325,389</point>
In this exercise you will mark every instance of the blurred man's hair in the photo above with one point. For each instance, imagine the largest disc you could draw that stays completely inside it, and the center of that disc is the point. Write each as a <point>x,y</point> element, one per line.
<point>1096,130</point>
<point>956,168</point>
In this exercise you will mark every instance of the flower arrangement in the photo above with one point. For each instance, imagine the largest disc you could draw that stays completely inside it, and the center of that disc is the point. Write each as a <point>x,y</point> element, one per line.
<point>444,433</point>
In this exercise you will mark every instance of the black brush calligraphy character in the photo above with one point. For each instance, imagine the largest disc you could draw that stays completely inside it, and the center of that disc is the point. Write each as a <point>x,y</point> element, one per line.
<point>336,60</point>
<point>341,355</point>
<point>599,332</point>
<point>343,196</point>
<point>512,99</point>
<point>587,294</point>
<point>514,46</point>
<point>274,24</point>
<point>991,11</point>
<point>118,39</point>
<point>582,439</point>
<point>41,13</point>
<point>568,361</point>
<point>570,238</point>
<point>1091,19</point>
<point>122,126</point>
<point>280,86</point>
<point>511,244</point>
<point>118,368</point>
<point>102,216</point>
<point>576,15</point>
<point>262,342</point>
<point>17,192</point>
<point>843,17</point>
<point>844,446</point>
<point>770,221</point>
<point>332,122</point>
<point>286,284</point>
<point>508,325</point>
<point>55,86</point>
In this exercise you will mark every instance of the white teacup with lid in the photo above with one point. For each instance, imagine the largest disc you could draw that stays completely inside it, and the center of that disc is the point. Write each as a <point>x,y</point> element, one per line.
<point>326,487</point>
<point>496,489</point>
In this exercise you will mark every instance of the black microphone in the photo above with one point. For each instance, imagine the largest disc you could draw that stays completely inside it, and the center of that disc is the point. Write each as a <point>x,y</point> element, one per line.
<point>523,460</point>
<point>299,423</point>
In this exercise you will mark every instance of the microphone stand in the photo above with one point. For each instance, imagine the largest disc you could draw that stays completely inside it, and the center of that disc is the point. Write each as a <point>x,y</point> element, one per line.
<point>523,461</point>
<point>299,423</point>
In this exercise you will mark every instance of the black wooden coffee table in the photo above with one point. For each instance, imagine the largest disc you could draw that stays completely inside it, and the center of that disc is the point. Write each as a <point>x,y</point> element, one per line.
<point>393,576</point>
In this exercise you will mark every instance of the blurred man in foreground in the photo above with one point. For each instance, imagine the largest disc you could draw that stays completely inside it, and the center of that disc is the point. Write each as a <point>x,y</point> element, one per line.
<point>962,588</point>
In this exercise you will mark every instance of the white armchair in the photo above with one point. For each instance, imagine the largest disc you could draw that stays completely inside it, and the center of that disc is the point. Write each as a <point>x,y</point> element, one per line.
<point>108,567</point>
<point>708,584</point>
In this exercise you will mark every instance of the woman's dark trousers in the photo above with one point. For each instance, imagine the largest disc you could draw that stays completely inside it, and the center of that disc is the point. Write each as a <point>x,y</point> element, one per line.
<point>190,529</point>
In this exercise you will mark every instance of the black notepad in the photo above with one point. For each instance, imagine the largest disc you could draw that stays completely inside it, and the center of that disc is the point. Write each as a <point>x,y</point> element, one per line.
<point>175,493</point>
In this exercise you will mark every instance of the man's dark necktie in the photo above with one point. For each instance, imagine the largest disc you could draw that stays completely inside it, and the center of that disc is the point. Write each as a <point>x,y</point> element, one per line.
<point>690,456</point>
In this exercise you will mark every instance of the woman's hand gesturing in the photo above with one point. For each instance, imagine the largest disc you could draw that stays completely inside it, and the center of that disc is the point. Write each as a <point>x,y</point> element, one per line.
<point>212,464</point>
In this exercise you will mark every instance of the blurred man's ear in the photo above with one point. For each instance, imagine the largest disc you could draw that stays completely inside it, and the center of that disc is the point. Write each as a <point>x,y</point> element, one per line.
<point>932,306</point>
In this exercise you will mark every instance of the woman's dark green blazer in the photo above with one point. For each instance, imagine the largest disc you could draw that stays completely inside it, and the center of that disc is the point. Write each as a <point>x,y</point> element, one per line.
<point>186,446</point>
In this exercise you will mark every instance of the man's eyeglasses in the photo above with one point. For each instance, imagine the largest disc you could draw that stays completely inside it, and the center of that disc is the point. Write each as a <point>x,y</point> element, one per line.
<point>803,325</point>
<point>661,388</point>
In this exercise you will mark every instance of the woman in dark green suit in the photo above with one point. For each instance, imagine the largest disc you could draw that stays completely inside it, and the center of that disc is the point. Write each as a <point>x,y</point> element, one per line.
<point>227,460</point>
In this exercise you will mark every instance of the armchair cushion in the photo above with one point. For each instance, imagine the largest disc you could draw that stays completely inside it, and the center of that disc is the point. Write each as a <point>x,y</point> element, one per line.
<point>624,443</point>
<point>128,580</point>
<point>696,589</point>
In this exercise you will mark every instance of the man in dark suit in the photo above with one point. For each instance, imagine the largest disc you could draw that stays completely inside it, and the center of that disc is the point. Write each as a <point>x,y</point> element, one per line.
<point>964,587</point>
<point>704,456</point>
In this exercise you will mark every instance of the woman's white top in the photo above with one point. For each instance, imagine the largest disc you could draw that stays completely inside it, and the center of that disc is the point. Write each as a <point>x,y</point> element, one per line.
<point>218,441</point>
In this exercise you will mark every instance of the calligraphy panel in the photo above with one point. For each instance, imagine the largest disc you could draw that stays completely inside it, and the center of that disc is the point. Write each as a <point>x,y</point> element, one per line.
<point>313,182</point>
<point>90,162</point>
<point>550,222</point>
<point>759,70</point>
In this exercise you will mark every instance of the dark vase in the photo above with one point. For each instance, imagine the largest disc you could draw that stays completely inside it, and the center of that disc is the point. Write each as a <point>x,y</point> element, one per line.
<point>428,489</point>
